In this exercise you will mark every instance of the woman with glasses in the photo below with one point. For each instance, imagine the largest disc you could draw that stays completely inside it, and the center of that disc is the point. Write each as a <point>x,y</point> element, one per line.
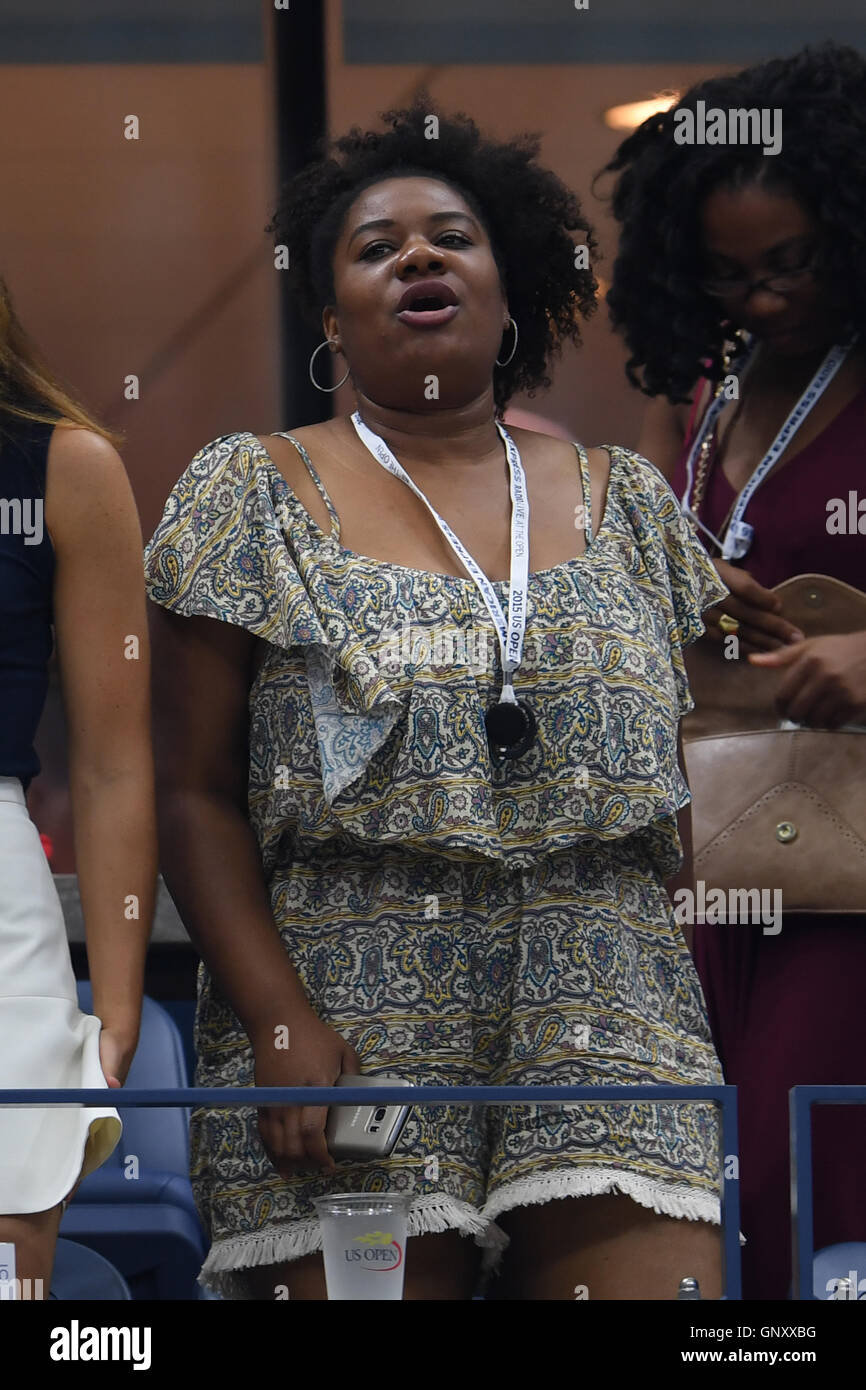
<point>420,792</point>
<point>740,289</point>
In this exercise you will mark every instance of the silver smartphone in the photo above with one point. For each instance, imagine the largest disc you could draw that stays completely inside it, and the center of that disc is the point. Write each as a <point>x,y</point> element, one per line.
<point>366,1131</point>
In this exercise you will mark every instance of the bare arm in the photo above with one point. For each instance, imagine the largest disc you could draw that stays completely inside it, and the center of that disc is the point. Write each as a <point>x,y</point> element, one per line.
<point>209,855</point>
<point>103,654</point>
<point>211,862</point>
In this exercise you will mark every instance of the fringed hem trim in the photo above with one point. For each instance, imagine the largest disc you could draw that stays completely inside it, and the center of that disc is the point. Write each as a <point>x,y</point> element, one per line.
<point>227,1258</point>
<point>667,1199</point>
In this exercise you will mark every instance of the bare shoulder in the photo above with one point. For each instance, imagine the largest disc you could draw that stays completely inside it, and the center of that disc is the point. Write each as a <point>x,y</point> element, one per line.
<point>86,486</point>
<point>80,455</point>
<point>313,437</point>
<point>663,433</point>
<point>318,441</point>
<point>561,456</point>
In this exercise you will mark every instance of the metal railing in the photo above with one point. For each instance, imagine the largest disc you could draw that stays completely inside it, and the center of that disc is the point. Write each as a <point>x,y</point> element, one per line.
<point>260,1096</point>
<point>801,1100</point>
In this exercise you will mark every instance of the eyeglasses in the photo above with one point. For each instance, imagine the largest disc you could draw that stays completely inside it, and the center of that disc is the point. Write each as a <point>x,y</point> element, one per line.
<point>784,282</point>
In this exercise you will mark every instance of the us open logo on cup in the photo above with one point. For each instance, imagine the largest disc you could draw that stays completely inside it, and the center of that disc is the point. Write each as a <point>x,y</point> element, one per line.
<point>381,1254</point>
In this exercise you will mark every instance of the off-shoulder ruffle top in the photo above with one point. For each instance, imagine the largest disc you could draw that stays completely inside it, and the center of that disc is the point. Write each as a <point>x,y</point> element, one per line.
<point>367,716</point>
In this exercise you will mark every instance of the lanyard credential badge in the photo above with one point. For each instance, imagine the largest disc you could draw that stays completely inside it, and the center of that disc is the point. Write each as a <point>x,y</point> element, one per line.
<point>510,723</point>
<point>738,540</point>
<point>738,537</point>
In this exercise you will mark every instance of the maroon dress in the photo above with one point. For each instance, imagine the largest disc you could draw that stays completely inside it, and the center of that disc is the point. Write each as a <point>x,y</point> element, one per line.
<point>788,1010</point>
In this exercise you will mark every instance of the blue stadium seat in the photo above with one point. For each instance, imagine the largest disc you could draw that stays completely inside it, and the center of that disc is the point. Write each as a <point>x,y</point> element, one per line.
<point>844,1261</point>
<point>80,1272</point>
<point>137,1209</point>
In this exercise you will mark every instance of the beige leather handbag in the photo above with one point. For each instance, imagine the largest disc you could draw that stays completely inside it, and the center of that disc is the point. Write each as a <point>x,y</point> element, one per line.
<point>777,806</point>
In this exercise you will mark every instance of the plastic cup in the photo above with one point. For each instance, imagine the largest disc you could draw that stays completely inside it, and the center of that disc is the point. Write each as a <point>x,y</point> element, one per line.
<point>364,1244</point>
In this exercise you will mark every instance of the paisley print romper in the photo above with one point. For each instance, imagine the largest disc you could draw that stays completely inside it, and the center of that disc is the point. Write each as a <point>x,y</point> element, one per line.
<point>457,922</point>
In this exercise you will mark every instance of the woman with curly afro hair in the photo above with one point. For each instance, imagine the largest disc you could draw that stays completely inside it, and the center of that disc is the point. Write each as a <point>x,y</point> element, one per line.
<point>740,289</point>
<point>420,787</point>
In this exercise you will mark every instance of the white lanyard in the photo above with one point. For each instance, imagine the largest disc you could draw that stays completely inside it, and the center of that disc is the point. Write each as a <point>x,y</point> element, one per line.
<point>510,637</point>
<point>739,534</point>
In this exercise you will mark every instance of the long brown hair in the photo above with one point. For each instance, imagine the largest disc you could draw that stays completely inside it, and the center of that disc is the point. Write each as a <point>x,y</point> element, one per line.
<point>29,390</point>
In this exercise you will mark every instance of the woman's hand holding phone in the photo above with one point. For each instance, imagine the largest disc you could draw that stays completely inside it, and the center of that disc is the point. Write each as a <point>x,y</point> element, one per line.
<point>313,1055</point>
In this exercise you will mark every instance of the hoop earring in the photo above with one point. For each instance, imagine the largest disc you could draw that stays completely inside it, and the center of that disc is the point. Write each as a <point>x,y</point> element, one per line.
<point>514,349</point>
<point>324,343</point>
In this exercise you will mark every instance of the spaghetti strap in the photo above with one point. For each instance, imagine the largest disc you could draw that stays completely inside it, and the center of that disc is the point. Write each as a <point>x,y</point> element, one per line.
<point>587,494</point>
<point>335,520</point>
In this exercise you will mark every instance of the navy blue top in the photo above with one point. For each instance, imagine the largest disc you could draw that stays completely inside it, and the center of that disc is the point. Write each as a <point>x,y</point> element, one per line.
<point>26,583</point>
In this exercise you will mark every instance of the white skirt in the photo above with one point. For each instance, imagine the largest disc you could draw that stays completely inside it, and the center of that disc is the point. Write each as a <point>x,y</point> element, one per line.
<point>45,1039</point>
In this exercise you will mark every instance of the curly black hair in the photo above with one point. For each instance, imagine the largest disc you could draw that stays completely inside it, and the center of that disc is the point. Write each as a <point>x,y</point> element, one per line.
<point>655,301</point>
<point>526,210</point>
